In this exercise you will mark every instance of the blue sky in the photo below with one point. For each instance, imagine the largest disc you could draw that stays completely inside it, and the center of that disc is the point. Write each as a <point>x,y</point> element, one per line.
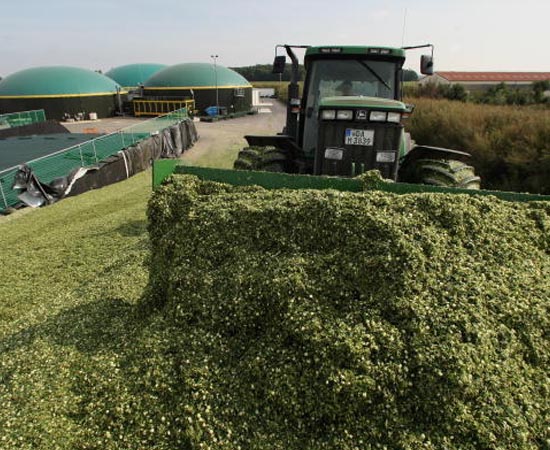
<point>468,35</point>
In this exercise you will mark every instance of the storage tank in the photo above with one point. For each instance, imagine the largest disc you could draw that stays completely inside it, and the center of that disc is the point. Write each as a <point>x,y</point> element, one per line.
<point>60,90</point>
<point>201,82</point>
<point>132,76</point>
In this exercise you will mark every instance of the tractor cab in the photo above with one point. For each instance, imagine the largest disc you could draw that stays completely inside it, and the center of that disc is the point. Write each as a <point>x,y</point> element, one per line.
<point>344,86</point>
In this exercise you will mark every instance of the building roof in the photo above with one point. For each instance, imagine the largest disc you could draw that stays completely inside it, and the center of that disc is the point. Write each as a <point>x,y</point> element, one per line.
<point>498,77</point>
<point>56,81</point>
<point>132,75</point>
<point>196,75</point>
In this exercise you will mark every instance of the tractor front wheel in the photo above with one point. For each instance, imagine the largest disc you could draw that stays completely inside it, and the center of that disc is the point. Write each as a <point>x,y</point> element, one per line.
<point>446,173</point>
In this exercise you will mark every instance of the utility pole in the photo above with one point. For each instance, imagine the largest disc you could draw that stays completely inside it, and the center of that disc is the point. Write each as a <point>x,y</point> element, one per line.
<point>214,58</point>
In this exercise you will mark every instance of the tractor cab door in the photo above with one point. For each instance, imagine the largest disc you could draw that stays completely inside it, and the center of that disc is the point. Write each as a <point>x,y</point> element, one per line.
<point>343,77</point>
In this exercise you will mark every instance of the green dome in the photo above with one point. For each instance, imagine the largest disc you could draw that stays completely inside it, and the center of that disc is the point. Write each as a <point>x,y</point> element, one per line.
<point>132,75</point>
<point>56,81</point>
<point>196,75</point>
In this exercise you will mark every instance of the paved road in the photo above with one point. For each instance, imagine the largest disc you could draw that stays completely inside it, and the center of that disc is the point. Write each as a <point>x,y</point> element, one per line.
<point>220,142</point>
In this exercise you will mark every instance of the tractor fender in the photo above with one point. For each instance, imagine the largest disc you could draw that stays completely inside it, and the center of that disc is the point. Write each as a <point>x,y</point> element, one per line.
<point>428,152</point>
<point>420,164</point>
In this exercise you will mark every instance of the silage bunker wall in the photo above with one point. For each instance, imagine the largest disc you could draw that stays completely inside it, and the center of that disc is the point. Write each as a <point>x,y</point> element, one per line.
<point>323,319</point>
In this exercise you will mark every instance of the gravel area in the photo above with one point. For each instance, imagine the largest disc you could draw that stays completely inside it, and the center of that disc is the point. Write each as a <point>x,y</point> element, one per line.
<point>220,142</point>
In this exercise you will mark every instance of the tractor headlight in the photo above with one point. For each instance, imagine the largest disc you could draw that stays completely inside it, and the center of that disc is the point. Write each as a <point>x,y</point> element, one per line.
<point>385,157</point>
<point>377,116</point>
<point>328,114</point>
<point>394,117</point>
<point>344,114</point>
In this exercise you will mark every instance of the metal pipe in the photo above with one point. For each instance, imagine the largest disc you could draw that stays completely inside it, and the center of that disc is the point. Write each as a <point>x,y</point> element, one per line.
<point>81,157</point>
<point>214,58</point>
<point>3,195</point>
<point>95,153</point>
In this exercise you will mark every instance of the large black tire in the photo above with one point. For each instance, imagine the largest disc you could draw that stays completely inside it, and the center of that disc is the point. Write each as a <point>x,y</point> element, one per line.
<point>446,173</point>
<point>268,159</point>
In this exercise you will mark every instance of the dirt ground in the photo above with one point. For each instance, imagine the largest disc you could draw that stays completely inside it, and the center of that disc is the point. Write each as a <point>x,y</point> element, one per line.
<point>219,142</point>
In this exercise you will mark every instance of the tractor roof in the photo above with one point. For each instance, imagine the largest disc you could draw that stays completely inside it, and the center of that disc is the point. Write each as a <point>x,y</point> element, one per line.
<point>355,50</point>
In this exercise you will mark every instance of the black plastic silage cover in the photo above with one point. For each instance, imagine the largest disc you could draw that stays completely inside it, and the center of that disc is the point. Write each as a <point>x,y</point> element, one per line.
<point>130,161</point>
<point>47,127</point>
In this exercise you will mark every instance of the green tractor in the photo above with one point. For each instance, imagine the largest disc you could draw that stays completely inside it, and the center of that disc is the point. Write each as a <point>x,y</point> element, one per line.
<point>351,120</point>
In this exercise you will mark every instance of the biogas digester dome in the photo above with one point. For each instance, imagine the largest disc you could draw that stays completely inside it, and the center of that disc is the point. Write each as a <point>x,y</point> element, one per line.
<point>201,81</point>
<point>133,75</point>
<point>59,90</point>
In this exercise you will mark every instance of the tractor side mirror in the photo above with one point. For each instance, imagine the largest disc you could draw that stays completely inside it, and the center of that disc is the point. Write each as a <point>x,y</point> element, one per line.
<point>426,65</point>
<point>279,64</point>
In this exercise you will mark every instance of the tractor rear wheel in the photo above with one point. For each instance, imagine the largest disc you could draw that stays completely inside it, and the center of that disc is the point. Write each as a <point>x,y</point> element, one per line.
<point>446,173</point>
<point>268,159</point>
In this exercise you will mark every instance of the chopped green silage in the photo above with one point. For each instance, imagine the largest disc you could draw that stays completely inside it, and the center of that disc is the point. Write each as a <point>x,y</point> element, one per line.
<point>330,320</point>
<point>274,320</point>
<point>71,274</point>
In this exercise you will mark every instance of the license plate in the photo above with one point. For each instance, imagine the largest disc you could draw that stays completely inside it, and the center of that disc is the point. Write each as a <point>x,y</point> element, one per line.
<point>359,137</point>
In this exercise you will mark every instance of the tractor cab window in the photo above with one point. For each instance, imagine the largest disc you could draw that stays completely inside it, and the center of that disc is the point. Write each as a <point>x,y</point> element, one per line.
<point>345,77</point>
<point>352,77</point>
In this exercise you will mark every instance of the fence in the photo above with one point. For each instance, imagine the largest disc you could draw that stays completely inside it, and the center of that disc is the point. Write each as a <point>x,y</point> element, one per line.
<point>158,107</point>
<point>19,119</point>
<point>88,153</point>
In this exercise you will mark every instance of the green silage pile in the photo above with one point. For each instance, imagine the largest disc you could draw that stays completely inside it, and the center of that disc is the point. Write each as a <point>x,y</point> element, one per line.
<point>327,320</point>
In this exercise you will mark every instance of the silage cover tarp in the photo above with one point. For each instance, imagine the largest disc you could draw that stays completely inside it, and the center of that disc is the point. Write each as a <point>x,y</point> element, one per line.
<point>333,320</point>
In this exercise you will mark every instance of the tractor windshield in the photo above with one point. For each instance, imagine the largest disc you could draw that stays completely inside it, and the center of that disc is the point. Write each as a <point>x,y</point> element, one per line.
<point>343,77</point>
<point>352,77</point>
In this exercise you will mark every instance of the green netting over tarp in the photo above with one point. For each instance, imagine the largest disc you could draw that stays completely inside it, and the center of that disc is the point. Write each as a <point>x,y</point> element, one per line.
<point>18,150</point>
<point>85,154</point>
<point>18,119</point>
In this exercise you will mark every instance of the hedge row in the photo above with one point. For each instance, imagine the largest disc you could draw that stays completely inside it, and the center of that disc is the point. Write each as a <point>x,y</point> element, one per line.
<point>510,145</point>
<point>322,320</point>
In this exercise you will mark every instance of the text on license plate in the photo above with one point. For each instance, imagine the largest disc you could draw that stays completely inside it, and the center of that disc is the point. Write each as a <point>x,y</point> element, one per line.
<point>359,137</point>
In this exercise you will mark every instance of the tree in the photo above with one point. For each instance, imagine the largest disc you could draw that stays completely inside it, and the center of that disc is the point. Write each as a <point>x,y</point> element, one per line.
<point>457,92</point>
<point>539,88</point>
<point>409,75</point>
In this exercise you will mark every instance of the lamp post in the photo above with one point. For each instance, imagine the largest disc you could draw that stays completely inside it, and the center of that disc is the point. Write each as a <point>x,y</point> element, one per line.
<point>214,58</point>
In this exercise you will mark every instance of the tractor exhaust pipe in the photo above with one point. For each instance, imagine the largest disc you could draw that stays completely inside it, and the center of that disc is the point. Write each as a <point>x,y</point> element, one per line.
<point>294,102</point>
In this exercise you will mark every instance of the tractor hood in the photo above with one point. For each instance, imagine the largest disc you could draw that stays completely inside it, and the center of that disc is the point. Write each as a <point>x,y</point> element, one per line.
<point>383,104</point>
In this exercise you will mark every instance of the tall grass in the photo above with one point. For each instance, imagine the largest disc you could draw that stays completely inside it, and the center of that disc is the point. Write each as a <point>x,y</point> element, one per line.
<point>510,145</point>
